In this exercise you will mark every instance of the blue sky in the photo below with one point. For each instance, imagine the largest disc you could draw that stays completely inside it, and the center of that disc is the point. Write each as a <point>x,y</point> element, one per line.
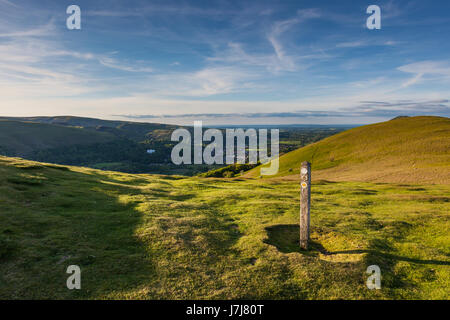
<point>226,62</point>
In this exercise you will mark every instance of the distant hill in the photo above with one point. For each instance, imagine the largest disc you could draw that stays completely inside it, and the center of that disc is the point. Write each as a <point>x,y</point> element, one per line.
<point>20,138</point>
<point>137,131</point>
<point>68,121</point>
<point>406,149</point>
<point>101,144</point>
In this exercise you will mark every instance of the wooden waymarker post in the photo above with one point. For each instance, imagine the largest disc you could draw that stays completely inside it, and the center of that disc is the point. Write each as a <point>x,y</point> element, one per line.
<point>305,201</point>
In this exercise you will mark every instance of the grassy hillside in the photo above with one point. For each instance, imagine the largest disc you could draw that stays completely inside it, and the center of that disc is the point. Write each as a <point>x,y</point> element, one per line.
<point>409,150</point>
<point>21,138</point>
<point>162,237</point>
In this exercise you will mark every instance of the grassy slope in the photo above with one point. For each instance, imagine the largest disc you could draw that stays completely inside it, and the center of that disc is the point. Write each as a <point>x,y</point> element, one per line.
<point>23,137</point>
<point>408,150</point>
<point>143,236</point>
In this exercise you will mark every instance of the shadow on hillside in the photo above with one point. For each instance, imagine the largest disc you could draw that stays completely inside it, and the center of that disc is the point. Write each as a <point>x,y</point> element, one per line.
<point>61,217</point>
<point>392,256</point>
<point>286,239</point>
<point>70,218</point>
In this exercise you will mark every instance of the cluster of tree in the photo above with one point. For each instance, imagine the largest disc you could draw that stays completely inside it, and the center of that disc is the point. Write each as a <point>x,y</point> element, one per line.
<point>120,150</point>
<point>122,155</point>
<point>228,171</point>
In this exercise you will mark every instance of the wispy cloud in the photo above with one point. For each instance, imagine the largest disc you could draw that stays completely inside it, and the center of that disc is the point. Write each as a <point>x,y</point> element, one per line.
<point>365,43</point>
<point>166,9</point>
<point>235,54</point>
<point>39,31</point>
<point>439,69</point>
<point>280,59</point>
<point>352,44</point>
<point>205,82</point>
<point>9,3</point>
<point>412,81</point>
<point>115,64</point>
<point>285,61</point>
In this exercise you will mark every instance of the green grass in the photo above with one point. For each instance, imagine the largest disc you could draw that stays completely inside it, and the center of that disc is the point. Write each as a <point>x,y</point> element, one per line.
<point>293,142</point>
<point>409,150</point>
<point>167,237</point>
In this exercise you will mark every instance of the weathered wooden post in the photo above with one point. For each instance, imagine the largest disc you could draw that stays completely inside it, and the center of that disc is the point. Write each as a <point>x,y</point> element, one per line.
<point>305,200</point>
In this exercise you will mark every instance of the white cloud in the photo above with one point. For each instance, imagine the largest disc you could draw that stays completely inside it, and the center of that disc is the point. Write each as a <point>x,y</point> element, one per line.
<point>352,44</point>
<point>9,3</point>
<point>237,55</point>
<point>412,81</point>
<point>286,62</point>
<point>370,83</point>
<point>205,82</point>
<point>280,60</point>
<point>427,67</point>
<point>115,64</point>
<point>420,70</point>
<point>45,30</point>
<point>365,43</point>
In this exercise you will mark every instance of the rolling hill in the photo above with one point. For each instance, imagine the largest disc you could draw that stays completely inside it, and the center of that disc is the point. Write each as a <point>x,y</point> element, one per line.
<point>136,131</point>
<point>20,138</point>
<point>101,144</point>
<point>406,149</point>
<point>116,145</point>
<point>168,237</point>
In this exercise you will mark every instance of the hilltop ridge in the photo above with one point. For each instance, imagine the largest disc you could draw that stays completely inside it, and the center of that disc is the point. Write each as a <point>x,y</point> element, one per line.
<point>403,150</point>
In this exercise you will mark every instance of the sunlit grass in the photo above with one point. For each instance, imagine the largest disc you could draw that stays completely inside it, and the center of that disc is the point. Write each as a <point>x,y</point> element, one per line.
<point>408,150</point>
<point>162,237</point>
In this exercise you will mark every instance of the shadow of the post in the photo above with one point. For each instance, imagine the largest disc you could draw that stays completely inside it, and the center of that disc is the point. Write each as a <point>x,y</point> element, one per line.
<point>286,239</point>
